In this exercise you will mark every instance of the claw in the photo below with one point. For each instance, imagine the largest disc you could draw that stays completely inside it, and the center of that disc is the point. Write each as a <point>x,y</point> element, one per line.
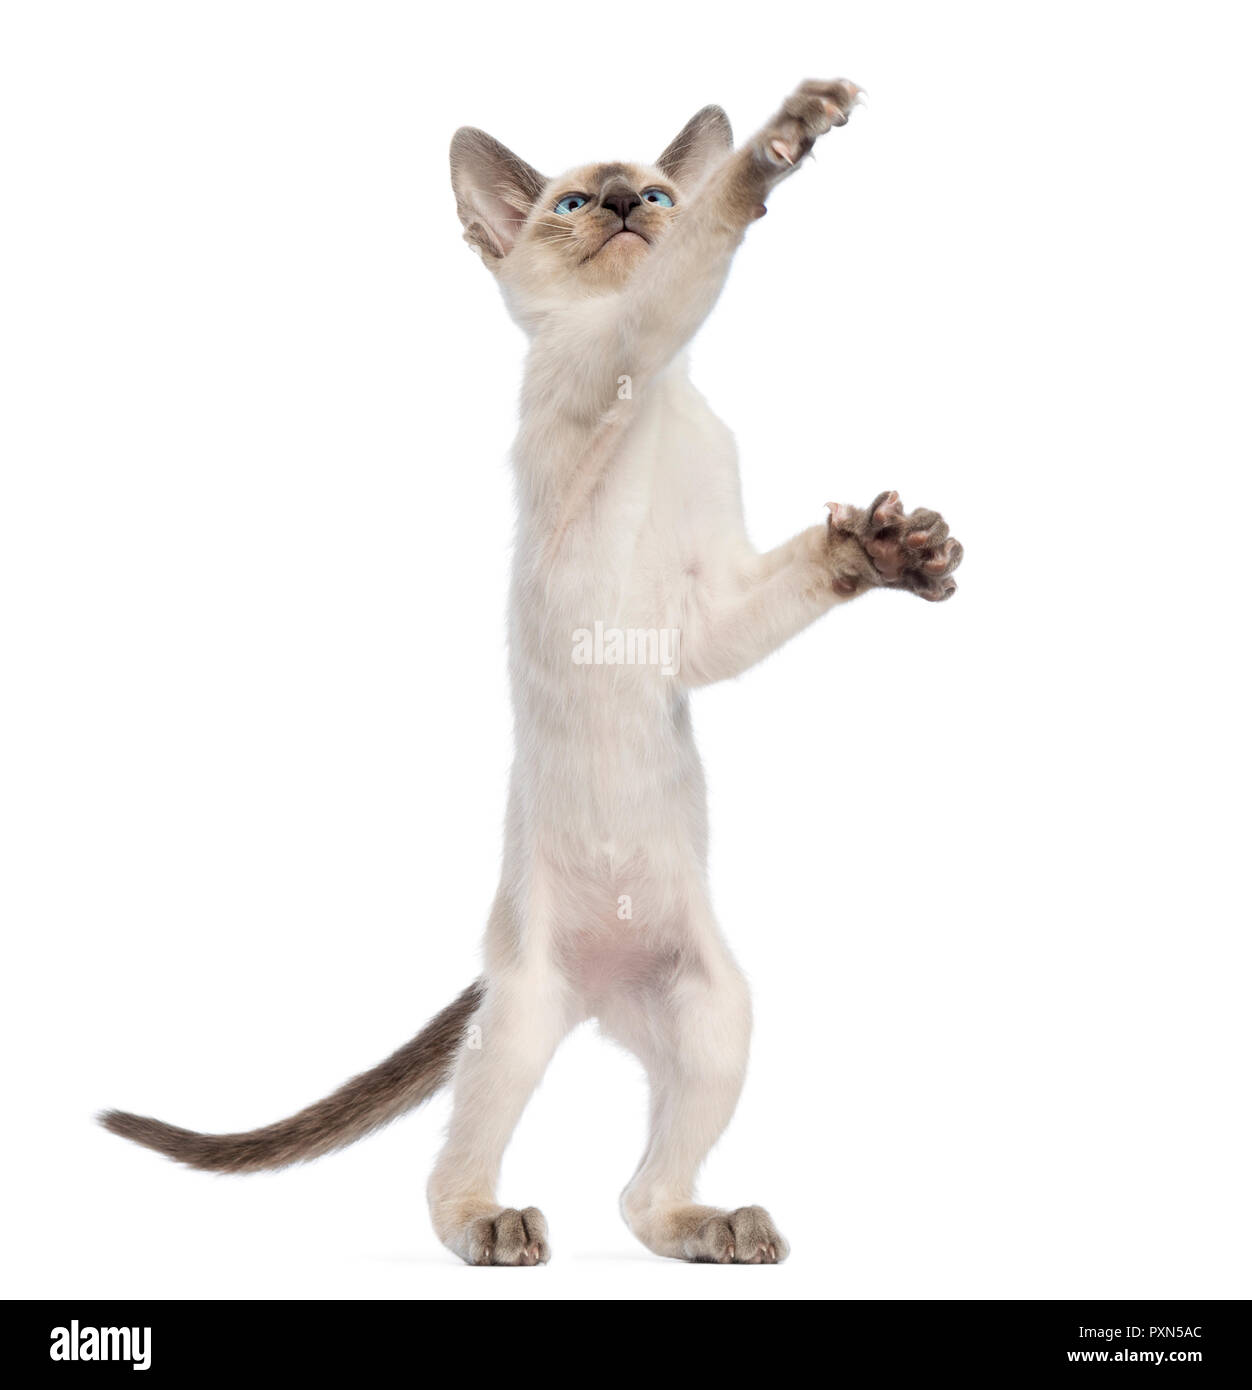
<point>782,151</point>
<point>939,562</point>
<point>888,509</point>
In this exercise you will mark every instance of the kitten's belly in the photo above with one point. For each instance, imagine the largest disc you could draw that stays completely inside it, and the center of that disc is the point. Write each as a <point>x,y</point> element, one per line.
<point>608,778</point>
<point>603,963</point>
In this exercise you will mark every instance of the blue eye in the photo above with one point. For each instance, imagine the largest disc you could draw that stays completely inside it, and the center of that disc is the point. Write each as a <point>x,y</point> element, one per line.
<point>571,202</point>
<point>658,196</point>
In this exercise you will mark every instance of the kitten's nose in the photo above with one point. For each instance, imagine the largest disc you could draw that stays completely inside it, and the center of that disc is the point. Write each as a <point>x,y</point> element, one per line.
<point>621,197</point>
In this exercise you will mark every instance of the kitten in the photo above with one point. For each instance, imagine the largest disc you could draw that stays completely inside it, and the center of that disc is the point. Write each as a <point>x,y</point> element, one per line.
<point>631,523</point>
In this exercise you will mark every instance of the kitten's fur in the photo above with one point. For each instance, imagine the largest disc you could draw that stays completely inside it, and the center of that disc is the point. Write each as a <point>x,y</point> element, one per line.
<point>631,517</point>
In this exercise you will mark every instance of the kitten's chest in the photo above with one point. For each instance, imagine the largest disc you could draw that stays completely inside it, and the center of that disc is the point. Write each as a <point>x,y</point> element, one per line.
<point>660,515</point>
<point>670,487</point>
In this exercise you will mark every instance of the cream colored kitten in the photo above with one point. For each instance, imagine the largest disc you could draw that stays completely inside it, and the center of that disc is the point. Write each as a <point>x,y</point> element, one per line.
<point>631,546</point>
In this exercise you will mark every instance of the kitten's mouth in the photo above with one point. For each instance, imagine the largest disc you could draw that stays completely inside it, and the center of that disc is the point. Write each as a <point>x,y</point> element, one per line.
<point>623,237</point>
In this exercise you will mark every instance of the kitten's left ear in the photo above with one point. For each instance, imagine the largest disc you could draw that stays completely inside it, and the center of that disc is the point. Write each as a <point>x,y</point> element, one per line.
<point>495,190</point>
<point>705,139</point>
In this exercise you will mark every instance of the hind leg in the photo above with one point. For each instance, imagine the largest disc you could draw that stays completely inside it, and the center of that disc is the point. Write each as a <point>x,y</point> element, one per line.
<point>523,1016</point>
<point>691,1033</point>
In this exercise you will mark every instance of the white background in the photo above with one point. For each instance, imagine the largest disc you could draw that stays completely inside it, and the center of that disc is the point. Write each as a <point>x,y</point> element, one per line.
<point>979,860</point>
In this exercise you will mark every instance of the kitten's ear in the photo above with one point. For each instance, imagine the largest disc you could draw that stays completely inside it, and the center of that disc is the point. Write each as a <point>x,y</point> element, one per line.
<point>705,139</point>
<point>494,191</point>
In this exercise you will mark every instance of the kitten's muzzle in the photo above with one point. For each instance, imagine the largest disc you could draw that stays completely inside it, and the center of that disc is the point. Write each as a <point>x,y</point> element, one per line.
<point>616,229</point>
<point>619,199</point>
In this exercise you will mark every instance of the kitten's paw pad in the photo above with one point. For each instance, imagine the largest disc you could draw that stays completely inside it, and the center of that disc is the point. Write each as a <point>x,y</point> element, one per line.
<point>746,1236</point>
<point>909,550</point>
<point>511,1237</point>
<point>809,112</point>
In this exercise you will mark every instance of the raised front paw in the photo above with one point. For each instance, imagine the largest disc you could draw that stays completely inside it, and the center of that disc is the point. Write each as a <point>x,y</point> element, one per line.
<point>810,111</point>
<point>887,546</point>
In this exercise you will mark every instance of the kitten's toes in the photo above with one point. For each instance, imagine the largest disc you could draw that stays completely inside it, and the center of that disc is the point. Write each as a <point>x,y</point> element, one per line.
<point>713,1243</point>
<point>886,508</point>
<point>837,97</point>
<point>910,550</point>
<point>757,1240</point>
<point>808,113</point>
<point>746,1236</point>
<point>511,1237</point>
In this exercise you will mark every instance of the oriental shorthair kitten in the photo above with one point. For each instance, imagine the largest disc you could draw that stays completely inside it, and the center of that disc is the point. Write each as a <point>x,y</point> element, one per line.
<point>630,524</point>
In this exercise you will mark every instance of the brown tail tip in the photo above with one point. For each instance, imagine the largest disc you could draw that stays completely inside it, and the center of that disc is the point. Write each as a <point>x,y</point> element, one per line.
<point>405,1079</point>
<point>184,1145</point>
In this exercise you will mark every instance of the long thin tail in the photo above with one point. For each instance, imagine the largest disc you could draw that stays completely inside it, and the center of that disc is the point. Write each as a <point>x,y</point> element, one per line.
<point>405,1079</point>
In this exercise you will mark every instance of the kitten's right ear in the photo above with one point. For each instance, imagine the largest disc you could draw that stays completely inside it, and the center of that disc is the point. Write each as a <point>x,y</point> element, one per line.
<point>705,139</point>
<point>495,190</point>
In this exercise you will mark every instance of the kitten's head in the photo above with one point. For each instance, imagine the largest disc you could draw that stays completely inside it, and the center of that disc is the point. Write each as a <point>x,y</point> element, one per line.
<point>549,241</point>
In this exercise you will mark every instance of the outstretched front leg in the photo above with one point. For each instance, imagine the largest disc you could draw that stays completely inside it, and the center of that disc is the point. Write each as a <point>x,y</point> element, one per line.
<point>664,305</point>
<point>750,609</point>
